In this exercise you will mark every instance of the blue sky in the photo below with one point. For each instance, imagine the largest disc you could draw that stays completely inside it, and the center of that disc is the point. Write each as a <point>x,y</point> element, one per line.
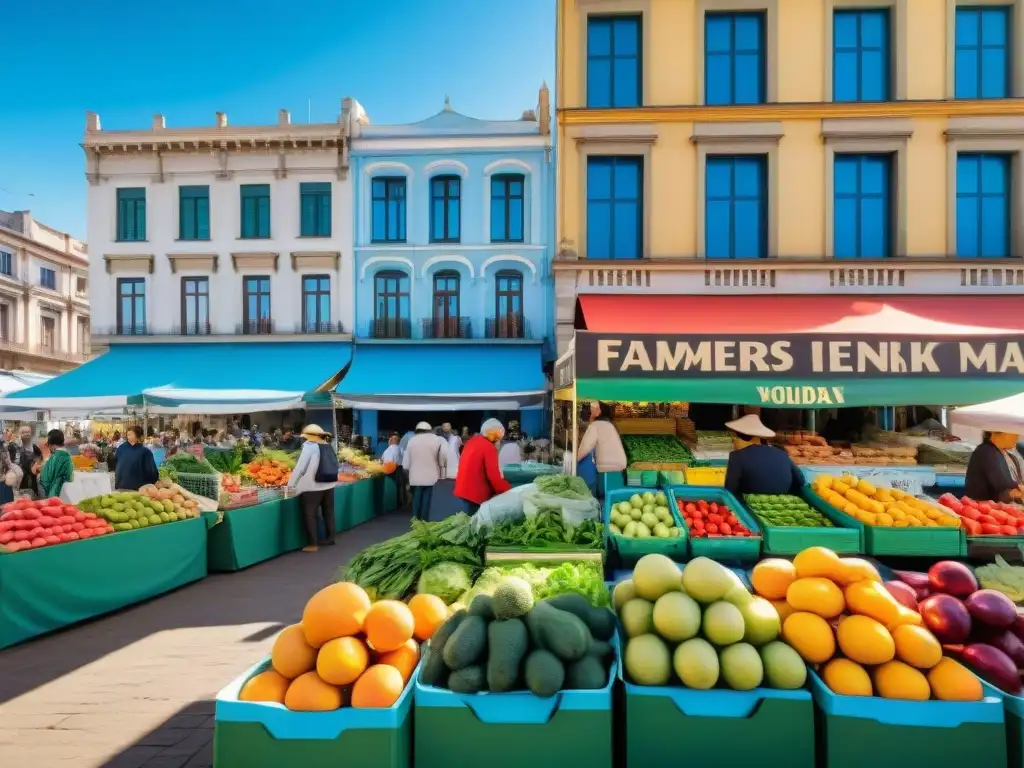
<point>187,59</point>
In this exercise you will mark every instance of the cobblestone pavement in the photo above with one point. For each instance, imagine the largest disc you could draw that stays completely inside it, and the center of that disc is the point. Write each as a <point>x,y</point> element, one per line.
<point>137,688</point>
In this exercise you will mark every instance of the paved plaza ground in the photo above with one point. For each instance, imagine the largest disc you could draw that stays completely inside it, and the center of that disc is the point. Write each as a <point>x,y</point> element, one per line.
<point>137,688</point>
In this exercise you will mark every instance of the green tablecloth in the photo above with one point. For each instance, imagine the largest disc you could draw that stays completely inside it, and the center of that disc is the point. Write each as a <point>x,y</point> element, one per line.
<point>251,535</point>
<point>46,589</point>
<point>358,503</point>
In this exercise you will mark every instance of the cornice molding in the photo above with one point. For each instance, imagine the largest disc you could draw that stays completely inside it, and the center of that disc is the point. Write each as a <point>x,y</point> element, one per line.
<point>693,264</point>
<point>255,260</point>
<point>129,262</point>
<point>203,262</point>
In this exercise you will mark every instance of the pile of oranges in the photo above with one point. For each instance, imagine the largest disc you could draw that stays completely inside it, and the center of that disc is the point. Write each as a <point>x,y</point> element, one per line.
<point>347,651</point>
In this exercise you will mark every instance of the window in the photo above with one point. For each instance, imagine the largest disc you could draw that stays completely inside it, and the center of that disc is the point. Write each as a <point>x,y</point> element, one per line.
<point>48,333</point>
<point>7,263</point>
<point>48,278</point>
<point>195,306</point>
<point>84,340</point>
<point>256,305</point>
<point>446,305</point>
<point>983,205</point>
<point>863,207</point>
<point>388,214</point>
<point>614,69</point>
<point>391,305</point>
<point>131,214</point>
<point>194,213</point>
<point>507,200</point>
<point>81,286</point>
<point>131,306</point>
<point>508,306</point>
<point>5,322</point>
<point>315,202</point>
<point>734,67</point>
<point>445,213</point>
<point>983,55</point>
<point>615,207</point>
<point>255,210</point>
<point>860,55</point>
<point>736,207</point>
<point>316,303</point>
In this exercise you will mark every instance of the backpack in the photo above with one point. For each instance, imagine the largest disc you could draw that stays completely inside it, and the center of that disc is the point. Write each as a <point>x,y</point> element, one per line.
<point>327,470</point>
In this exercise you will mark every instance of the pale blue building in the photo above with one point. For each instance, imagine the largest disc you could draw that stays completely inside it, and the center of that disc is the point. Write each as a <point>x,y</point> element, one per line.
<point>454,301</point>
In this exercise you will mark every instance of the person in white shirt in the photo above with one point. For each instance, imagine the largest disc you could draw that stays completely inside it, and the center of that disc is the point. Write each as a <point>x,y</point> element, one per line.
<point>510,453</point>
<point>394,454</point>
<point>454,446</point>
<point>315,496</point>
<point>425,458</point>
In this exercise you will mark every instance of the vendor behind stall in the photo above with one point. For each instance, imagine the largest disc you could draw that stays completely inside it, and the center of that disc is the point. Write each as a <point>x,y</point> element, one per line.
<point>988,471</point>
<point>758,468</point>
<point>601,442</point>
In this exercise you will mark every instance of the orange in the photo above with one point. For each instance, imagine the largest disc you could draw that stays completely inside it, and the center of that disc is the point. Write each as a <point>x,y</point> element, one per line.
<point>772,577</point>
<point>266,686</point>
<point>403,659</point>
<point>428,612</point>
<point>337,610</point>
<point>342,660</point>
<point>291,655</point>
<point>816,561</point>
<point>389,624</point>
<point>379,687</point>
<point>308,693</point>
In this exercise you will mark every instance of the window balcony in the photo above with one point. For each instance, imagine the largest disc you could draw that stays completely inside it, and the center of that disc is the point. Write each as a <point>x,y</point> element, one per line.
<point>127,329</point>
<point>390,328</point>
<point>262,327</point>
<point>446,327</point>
<point>510,326</point>
<point>322,327</point>
<point>192,329</point>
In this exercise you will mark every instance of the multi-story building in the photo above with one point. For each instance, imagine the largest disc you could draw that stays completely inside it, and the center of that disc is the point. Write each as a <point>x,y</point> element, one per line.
<point>738,148</point>
<point>453,243</point>
<point>44,297</point>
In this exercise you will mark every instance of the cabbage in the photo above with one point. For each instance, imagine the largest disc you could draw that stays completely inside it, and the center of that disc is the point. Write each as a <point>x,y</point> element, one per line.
<point>446,580</point>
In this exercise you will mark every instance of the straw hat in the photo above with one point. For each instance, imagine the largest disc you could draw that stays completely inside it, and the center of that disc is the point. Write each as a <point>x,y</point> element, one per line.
<point>750,425</point>
<point>314,430</point>
<point>423,426</point>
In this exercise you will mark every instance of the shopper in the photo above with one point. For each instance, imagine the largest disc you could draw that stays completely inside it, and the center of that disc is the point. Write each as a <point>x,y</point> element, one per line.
<point>988,475</point>
<point>454,449</point>
<point>425,460</point>
<point>58,468</point>
<point>480,476</point>
<point>393,455</point>
<point>755,467</point>
<point>25,453</point>
<point>602,443</point>
<point>314,477</point>
<point>134,464</point>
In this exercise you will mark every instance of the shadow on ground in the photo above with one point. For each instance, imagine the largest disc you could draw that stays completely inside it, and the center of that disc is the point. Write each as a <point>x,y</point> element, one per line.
<point>185,740</point>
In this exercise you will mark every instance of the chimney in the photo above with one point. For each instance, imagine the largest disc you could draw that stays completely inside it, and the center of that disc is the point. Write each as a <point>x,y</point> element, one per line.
<point>284,117</point>
<point>222,120</point>
<point>529,116</point>
<point>158,123</point>
<point>92,122</point>
<point>544,109</point>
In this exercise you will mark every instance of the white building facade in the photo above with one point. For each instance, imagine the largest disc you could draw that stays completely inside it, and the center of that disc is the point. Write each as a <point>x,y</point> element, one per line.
<point>44,297</point>
<point>241,232</point>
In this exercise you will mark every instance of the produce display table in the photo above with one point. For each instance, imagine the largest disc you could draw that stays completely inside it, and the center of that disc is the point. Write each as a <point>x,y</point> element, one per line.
<point>45,589</point>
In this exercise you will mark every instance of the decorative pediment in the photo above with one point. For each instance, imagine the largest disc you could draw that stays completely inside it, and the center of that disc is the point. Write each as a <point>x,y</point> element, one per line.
<point>129,262</point>
<point>255,260</point>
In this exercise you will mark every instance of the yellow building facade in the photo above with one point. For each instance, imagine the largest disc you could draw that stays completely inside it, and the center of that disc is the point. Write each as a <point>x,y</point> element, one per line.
<point>932,115</point>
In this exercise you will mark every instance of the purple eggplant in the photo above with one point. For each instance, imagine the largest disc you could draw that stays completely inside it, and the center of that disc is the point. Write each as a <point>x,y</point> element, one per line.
<point>991,608</point>
<point>1018,625</point>
<point>1007,642</point>
<point>989,663</point>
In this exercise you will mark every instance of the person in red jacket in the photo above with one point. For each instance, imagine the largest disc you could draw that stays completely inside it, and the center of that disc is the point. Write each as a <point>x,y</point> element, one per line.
<point>479,477</point>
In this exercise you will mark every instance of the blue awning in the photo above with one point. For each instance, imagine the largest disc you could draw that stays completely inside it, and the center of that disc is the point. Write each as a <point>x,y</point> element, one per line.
<point>201,377</point>
<point>442,376</point>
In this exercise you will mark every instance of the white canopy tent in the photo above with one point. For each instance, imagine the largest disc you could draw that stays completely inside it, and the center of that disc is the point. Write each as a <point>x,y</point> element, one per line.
<point>1005,415</point>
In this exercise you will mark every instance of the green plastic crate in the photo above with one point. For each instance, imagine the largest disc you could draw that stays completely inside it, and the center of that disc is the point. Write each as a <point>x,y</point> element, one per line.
<point>670,477</point>
<point>266,735</point>
<point>514,730</point>
<point>668,727</point>
<point>721,548</point>
<point>846,538</point>
<point>1014,730</point>
<point>1010,548</point>
<point>634,549</point>
<point>649,478</point>
<point>909,542</point>
<point>858,731</point>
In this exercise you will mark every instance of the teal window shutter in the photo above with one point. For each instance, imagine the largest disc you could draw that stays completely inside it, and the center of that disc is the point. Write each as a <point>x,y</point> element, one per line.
<point>194,212</point>
<point>131,214</point>
<point>255,210</point>
<point>315,209</point>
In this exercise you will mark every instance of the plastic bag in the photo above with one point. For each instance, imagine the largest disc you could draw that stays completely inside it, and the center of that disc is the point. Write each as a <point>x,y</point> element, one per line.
<point>574,511</point>
<point>498,509</point>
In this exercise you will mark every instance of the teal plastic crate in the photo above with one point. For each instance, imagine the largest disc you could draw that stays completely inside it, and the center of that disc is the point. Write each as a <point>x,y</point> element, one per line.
<point>673,726</point>
<point>634,549</point>
<point>1014,706</point>
<point>515,729</point>
<point>721,548</point>
<point>858,731</point>
<point>670,477</point>
<point>909,542</point>
<point>267,735</point>
<point>847,538</point>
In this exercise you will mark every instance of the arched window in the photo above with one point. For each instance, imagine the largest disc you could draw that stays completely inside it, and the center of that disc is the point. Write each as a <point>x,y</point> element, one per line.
<point>445,209</point>
<point>391,305</point>
<point>508,322</point>
<point>446,321</point>
<point>508,193</point>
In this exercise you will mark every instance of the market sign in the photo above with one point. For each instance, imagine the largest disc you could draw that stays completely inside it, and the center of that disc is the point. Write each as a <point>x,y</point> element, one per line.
<point>797,356</point>
<point>565,372</point>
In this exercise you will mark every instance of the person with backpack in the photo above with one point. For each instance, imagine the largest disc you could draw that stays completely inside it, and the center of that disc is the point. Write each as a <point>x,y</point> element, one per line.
<point>314,477</point>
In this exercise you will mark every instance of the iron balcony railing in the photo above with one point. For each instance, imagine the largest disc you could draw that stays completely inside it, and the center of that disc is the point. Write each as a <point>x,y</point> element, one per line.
<point>319,327</point>
<point>446,327</point>
<point>261,327</point>
<point>192,329</point>
<point>510,326</point>
<point>391,328</point>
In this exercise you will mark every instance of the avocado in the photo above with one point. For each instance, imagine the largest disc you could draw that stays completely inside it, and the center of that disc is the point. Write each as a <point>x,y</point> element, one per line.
<point>507,644</point>
<point>586,674</point>
<point>467,644</point>
<point>470,679</point>
<point>544,673</point>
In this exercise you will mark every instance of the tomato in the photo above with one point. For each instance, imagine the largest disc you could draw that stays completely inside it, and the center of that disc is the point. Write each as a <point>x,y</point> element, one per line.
<point>72,536</point>
<point>703,506</point>
<point>973,526</point>
<point>968,501</point>
<point>989,528</point>
<point>713,507</point>
<point>725,529</point>
<point>1008,530</point>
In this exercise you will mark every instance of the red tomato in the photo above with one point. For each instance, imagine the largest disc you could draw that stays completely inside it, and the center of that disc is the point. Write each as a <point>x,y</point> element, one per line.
<point>998,515</point>
<point>967,500</point>
<point>713,507</point>
<point>72,536</point>
<point>989,528</point>
<point>702,506</point>
<point>1008,530</point>
<point>32,514</point>
<point>691,508</point>
<point>725,529</point>
<point>64,537</point>
<point>973,526</point>
<point>985,508</point>
<point>38,541</point>
<point>77,527</point>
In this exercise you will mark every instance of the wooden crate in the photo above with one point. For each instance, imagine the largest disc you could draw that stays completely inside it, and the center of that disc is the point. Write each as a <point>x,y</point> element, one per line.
<point>645,426</point>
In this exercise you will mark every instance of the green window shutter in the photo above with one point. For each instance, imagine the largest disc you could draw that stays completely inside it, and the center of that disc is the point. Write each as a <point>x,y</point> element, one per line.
<point>255,210</point>
<point>203,218</point>
<point>131,213</point>
<point>307,227</point>
<point>194,212</point>
<point>315,208</point>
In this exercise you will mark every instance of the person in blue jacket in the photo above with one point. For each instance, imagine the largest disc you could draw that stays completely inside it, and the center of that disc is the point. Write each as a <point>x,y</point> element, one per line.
<point>758,468</point>
<point>134,465</point>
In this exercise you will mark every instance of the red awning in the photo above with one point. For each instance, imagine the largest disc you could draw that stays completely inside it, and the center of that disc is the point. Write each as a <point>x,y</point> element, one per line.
<point>848,315</point>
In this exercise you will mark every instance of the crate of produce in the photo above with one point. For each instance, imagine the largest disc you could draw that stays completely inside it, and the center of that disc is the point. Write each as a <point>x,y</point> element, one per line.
<point>669,477</point>
<point>634,478</point>
<point>791,524</point>
<point>640,504</point>
<point>743,545</point>
<point>645,427</point>
<point>564,718</point>
<point>1014,706</point>
<point>856,731</point>
<point>267,735</point>
<point>990,528</point>
<point>655,452</point>
<point>705,476</point>
<point>894,522</point>
<point>649,478</point>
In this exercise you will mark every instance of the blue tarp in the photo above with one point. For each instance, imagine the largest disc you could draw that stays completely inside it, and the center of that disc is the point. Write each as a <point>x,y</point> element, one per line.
<point>203,376</point>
